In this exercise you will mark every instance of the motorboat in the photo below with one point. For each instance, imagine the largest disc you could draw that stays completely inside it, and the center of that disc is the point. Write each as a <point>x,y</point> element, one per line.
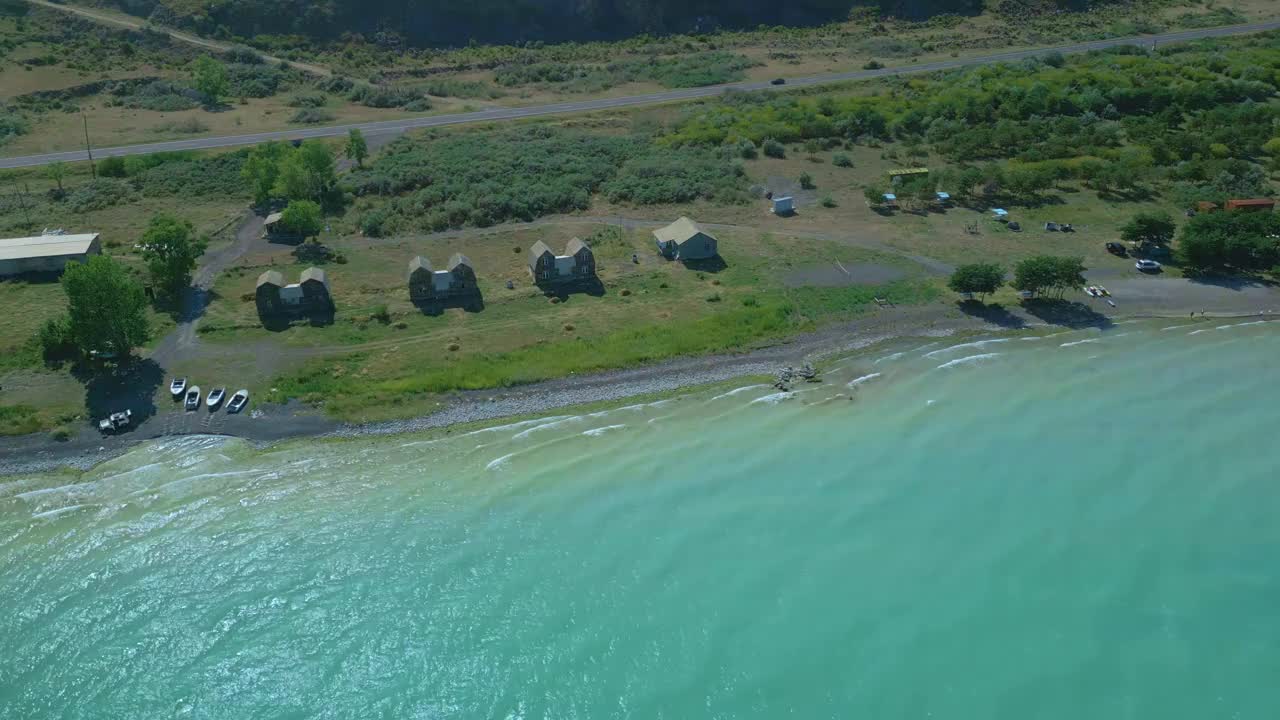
<point>192,399</point>
<point>178,386</point>
<point>238,401</point>
<point>215,397</point>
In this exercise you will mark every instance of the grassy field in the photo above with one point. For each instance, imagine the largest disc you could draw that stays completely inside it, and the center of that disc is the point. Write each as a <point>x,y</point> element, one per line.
<point>363,369</point>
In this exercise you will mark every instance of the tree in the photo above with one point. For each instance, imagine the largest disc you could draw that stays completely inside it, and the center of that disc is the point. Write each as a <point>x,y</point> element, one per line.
<point>303,217</point>
<point>1153,227</point>
<point>357,148</point>
<point>1048,272</point>
<point>209,78</point>
<point>874,193</point>
<point>262,169</point>
<point>980,278</point>
<point>1239,240</point>
<point>106,307</point>
<point>308,173</point>
<point>171,250</point>
<point>806,181</point>
<point>57,171</point>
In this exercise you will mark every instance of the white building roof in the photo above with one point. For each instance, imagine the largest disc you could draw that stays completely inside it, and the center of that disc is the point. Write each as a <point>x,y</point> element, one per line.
<point>46,246</point>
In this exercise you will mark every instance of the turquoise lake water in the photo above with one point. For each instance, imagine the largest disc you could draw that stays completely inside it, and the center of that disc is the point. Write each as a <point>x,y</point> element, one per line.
<point>1061,526</point>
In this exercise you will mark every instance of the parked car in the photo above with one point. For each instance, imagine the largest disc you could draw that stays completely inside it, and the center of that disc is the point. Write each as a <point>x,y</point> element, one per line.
<point>1147,266</point>
<point>116,421</point>
<point>778,81</point>
<point>178,386</point>
<point>238,401</point>
<point>192,399</point>
<point>1117,249</point>
<point>215,397</point>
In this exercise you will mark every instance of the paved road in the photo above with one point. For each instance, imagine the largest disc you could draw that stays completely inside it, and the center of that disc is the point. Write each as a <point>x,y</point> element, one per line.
<point>125,22</point>
<point>505,114</point>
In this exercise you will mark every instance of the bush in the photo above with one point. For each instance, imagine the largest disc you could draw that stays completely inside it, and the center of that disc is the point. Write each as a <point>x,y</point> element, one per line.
<point>99,194</point>
<point>308,100</point>
<point>841,160</point>
<point>452,87</point>
<point>11,125</point>
<point>385,97</point>
<point>872,65</point>
<point>56,341</point>
<point>747,150</point>
<point>311,116</point>
<point>112,167</point>
<point>186,126</point>
<point>671,177</point>
<point>189,175</point>
<point>381,314</point>
<point>806,181</point>
<point>774,149</point>
<point>828,201</point>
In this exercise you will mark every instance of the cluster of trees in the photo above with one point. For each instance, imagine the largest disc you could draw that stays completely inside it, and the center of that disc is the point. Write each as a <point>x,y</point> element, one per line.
<point>280,170</point>
<point>106,304</point>
<point>1231,241</point>
<point>1035,275</point>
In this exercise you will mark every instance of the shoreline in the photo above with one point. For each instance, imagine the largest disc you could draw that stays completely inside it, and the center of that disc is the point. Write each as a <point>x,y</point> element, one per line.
<point>288,423</point>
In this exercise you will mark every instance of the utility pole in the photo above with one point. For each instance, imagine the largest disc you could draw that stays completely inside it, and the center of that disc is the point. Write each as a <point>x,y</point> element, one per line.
<point>22,203</point>
<point>93,171</point>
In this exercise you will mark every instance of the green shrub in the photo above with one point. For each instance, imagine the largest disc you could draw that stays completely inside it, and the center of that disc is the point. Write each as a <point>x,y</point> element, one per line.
<point>18,419</point>
<point>311,116</point>
<point>112,167</point>
<point>841,160</point>
<point>828,201</point>
<point>671,177</point>
<point>381,314</point>
<point>453,87</point>
<point>11,125</point>
<point>774,149</point>
<point>56,341</point>
<point>747,150</point>
<point>98,194</point>
<point>190,175</point>
<point>806,181</point>
<point>872,65</point>
<point>384,97</point>
<point>308,100</point>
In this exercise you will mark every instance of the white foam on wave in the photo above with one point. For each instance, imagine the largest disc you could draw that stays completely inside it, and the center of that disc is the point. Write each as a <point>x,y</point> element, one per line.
<point>1173,327</point>
<point>1243,324</point>
<point>597,432</point>
<point>1079,342</point>
<point>1201,330</point>
<point>45,491</point>
<point>499,463</point>
<point>865,378</point>
<point>773,399</point>
<point>56,512</point>
<point>512,426</point>
<point>969,360</point>
<point>965,346</point>
<point>888,358</point>
<point>546,426</point>
<point>735,391</point>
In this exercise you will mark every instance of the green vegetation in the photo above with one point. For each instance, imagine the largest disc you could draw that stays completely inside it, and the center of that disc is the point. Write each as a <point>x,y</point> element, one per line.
<point>1231,241</point>
<point>1191,120</point>
<point>979,279</point>
<point>1043,273</point>
<point>1149,227</point>
<point>357,148</point>
<point>303,218</point>
<point>276,169</point>
<point>209,78</point>
<point>170,249</point>
<point>484,178</point>
<point>106,307</point>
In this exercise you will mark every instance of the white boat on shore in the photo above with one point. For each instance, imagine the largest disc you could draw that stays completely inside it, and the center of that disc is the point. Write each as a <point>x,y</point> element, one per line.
<point>192,399</point>
<point>215,397</point>
<point>238,401</point>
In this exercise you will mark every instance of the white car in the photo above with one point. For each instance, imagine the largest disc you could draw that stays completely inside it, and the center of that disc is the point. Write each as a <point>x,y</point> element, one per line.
<point>1147,266</point>
<point>192,400</point>
<point>215,397</point>
<point>178,386</point>
<point>238,401</point>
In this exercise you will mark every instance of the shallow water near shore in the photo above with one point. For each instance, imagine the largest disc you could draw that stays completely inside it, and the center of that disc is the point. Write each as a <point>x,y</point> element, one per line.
<point>1058,525</point>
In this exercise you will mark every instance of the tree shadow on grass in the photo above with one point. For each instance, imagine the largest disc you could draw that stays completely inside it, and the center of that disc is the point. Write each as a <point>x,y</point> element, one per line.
<point>116,388</point>
<point>996,314</point>
<point>1230,282</point>
<point>1067,313</point>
